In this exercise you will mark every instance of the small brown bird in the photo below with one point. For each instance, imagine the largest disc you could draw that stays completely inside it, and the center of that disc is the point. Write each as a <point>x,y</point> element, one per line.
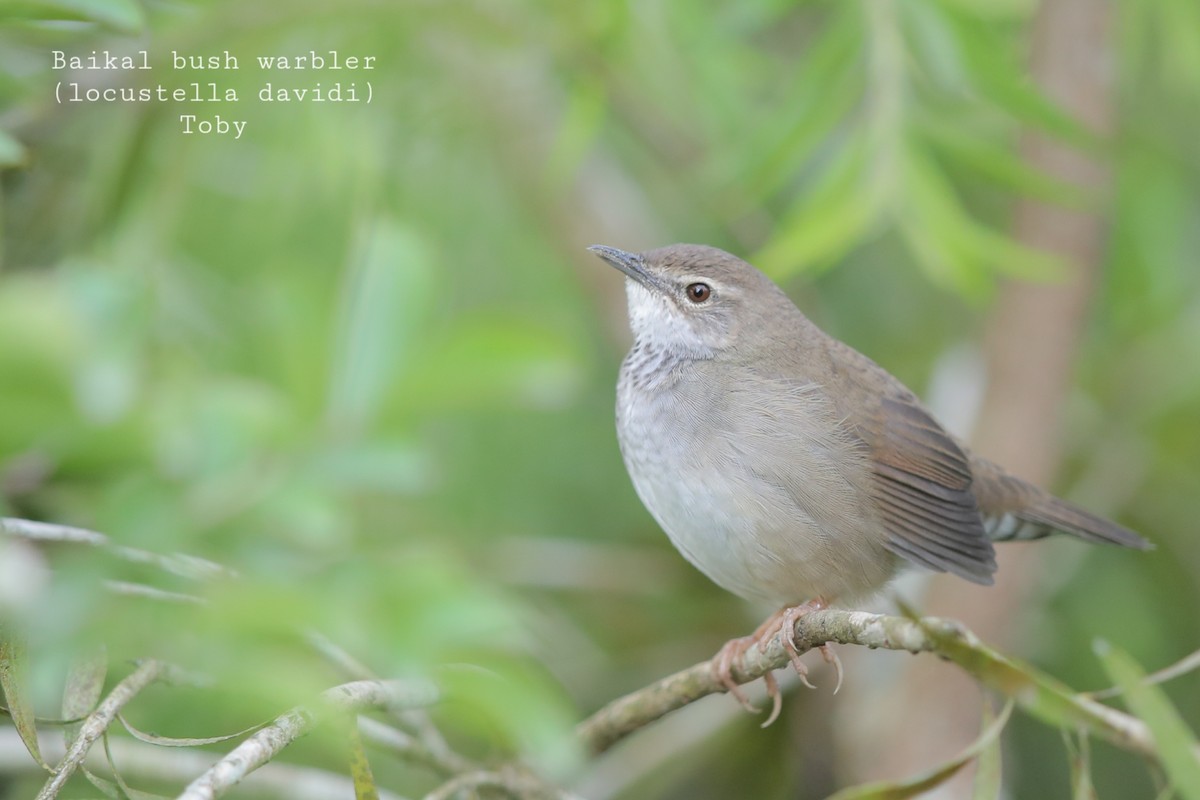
<point>787,466</point>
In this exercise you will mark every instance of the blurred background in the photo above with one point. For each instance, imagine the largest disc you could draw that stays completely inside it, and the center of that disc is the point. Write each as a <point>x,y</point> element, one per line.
<point>361,355</point>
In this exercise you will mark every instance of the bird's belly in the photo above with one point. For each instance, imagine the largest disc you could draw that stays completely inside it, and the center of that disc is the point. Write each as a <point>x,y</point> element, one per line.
<point>748,533</point>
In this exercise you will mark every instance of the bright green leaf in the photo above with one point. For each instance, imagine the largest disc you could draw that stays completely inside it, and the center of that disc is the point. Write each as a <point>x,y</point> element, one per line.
<point>827,220</point>
<point>1178,748</point>
<point>126,16</point>
<point>919,784</point>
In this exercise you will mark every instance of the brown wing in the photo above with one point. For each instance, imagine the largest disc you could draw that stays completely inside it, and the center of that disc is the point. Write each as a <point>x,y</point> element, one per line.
<point>922,489</point>
<point>921,478</point>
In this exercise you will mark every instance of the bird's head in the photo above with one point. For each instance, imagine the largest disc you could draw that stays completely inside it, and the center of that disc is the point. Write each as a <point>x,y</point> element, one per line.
<point>692,299</point>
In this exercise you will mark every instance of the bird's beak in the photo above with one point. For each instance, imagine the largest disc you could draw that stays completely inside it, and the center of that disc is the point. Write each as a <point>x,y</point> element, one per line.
<point>629,263</point>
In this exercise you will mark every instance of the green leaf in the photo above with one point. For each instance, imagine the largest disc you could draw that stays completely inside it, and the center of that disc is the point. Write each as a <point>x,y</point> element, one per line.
<point>125,791</point>
<point>496,360</point>
<point>1040,695</point>
<point>384,301</point>
<point>989,776</point>
<point>360,766</point>
<point>12,152</point>
<point>16,697</point>
<point>103,785</point>
<point>823,89</point>
<point>1081,766</point>
<point>171,741</point>
<point>994,72</point>
<point>125,16</point>
<point>954,249</point>
<point>827,220</point>
<point>918,784</point>
<point>934,226</point>
<point>998,162</point>
<point>586,107</point>
<point>81,693</point>
<point>1178,748</point>
<point>511,704</point>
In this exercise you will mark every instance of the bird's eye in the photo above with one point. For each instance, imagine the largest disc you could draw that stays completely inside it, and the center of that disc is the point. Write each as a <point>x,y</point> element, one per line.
<point>699,292</point>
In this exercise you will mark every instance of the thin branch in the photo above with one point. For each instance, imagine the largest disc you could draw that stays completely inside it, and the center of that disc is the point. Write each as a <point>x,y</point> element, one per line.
<point>412,749</point>
<point>192,567</point>
<point>270,741</point>
<point>176,766</point>
<point>514,782</point>
<point>98,721</point>
<point>1037,694</point>
<point>152,593</point>
<point>1168,673</point>
<point>430,746</point>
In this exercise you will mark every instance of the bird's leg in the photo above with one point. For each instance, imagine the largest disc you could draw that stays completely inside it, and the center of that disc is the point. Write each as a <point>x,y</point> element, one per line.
<point>722,663</point>
<point>722,667</point>
<point>783,622</point>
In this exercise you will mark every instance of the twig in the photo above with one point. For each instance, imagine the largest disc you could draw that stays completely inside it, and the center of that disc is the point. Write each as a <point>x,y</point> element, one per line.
<point>1036,693</point>
<point>1170,672</point>
<point>513,781</point>
<point>192,567</point>
<point>269,741</point>
<point>98,721</point>
<point>177,765</point>
<point>152,593</point>
<point>429,741</point>
<point>410,748</point>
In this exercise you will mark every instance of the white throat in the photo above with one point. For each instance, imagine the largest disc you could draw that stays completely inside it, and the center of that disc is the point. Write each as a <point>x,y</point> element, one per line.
<point>659,326</point>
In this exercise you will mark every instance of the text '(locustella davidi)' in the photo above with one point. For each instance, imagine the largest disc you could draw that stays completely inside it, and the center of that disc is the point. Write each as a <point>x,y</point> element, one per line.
<point>122,85</point>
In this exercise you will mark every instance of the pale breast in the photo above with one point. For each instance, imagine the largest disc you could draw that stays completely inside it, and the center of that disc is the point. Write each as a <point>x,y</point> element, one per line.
<point>756,482</point>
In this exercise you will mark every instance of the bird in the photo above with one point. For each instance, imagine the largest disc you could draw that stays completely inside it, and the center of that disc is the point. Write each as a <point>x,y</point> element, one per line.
<point>788,467</point>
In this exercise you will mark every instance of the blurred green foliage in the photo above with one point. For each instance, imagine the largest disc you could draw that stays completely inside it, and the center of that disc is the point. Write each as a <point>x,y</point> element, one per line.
<point>360,355</point>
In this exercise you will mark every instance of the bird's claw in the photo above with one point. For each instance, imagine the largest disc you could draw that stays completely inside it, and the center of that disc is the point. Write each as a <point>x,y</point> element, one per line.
<point>722,663</point>
<point>776,698</point>
<point>831,657</point>
<point>722,667</point>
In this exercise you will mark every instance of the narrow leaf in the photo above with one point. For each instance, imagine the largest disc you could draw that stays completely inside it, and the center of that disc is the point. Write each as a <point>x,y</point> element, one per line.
<point>12,152</point>
<point>121,15</point>
<point>827,220</point>
<point>988,771</point>
<point>85,681</point>
<point>997,161</point>
<point>1040,695</point>
<point>1178,748</point>
<point>911,787</point>
<point>1181,667</point>
<point>126,790</point>
<point>1081,766</point>
<point>385,297</point>
<point>16,697</point>
<point>167,741</point>
<point>103,785</point>
<point>360,767</point>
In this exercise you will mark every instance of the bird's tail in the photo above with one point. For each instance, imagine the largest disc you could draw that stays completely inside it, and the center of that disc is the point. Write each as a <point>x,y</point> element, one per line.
<point>1014,510</point>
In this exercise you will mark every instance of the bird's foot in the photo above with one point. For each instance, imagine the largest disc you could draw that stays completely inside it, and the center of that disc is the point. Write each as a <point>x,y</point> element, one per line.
<point>722,667</point>
<point>783,624</point>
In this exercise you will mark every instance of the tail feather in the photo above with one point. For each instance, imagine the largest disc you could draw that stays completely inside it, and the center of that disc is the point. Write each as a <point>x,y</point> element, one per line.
<point>1015,510</point>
